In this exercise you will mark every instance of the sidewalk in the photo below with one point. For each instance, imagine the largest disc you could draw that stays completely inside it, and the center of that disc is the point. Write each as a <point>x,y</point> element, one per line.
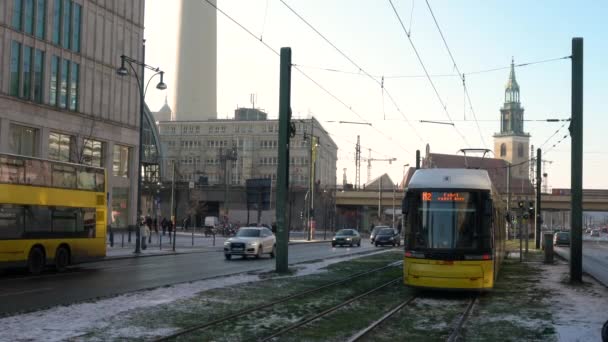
<point>185,243</point>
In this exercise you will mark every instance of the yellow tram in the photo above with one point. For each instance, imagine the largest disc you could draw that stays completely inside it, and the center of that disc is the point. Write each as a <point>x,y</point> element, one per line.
<point>454,224</point>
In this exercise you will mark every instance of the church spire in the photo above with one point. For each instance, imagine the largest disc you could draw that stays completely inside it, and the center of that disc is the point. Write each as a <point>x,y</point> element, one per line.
<point>512,88</point>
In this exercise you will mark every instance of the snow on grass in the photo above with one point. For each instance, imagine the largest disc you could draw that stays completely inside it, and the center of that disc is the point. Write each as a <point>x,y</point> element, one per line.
<point>579,311</point>
<point>79,320</point>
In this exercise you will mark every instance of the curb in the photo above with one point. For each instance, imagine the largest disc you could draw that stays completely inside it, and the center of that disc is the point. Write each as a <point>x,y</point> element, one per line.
<point>216,249</point>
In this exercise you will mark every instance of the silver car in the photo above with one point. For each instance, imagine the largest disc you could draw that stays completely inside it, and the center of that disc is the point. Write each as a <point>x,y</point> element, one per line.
<point>254,241</point>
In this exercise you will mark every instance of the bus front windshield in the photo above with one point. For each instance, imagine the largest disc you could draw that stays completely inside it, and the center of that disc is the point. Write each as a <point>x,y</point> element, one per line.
<point>449,220</point>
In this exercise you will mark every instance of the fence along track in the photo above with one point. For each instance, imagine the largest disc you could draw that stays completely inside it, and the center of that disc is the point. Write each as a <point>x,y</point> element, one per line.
<point>327,311</point>
<point>454,336</point>
<point>267,305</point>
<point>386,316</point>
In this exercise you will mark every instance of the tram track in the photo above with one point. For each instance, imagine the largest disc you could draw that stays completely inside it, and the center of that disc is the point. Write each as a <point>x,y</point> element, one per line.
<point>454,336</point>
<point>456,332</point>
<point>230,317</point>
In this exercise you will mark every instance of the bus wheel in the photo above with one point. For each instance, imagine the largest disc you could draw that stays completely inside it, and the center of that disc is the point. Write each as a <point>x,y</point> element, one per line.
<point>62,259</point>
<point>35,261</point>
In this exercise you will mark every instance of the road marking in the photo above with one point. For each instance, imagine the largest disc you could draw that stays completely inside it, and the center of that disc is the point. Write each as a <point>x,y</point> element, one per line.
<point>26,291</point>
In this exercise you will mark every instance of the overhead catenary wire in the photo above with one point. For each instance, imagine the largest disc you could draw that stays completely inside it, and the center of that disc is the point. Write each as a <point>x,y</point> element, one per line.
<point>356,65</point>
<point>477,72</point>
<point>464,85</point>
<point>302,72</point>
<point>443,105</point>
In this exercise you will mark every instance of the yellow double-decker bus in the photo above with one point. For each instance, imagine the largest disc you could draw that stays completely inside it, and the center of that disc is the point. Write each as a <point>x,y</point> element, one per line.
<point>51,213</point>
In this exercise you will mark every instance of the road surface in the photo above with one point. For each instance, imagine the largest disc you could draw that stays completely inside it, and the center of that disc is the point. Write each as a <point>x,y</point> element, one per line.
<point>595,259</point>
<point>19,292</point>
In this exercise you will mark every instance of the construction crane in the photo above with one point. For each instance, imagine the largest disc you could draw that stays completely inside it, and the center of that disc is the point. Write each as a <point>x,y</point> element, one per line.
<point>370,160</point>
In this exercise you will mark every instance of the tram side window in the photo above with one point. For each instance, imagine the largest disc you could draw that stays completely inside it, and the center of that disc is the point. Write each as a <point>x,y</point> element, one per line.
<point>37,172</point>
<point>11,221</point>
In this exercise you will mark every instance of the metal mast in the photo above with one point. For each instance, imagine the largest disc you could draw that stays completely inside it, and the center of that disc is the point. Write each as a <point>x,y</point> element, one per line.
<point>358,164</point>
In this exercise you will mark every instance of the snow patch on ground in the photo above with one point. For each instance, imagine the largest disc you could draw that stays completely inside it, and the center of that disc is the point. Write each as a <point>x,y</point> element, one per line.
<point>579,311</point>
<point>78,320</point>
<point>517,320</point>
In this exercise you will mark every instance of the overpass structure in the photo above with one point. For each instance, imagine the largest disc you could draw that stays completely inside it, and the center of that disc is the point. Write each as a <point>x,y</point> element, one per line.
<point>550,202</point>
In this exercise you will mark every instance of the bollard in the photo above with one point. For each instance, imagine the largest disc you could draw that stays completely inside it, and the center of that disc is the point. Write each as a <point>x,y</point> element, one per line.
<point>111,236</point>
<point>548,246</point>
<point>122,239</point>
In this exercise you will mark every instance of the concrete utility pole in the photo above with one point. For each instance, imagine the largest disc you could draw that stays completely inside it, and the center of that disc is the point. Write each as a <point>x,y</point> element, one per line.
<point>576,181</point>
<point>283,167</point>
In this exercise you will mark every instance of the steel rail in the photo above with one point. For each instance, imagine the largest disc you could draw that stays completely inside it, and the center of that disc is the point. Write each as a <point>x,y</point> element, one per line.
<point>376,323</point>
<point>267,305</point>
<point>463,318</point>
<point>327,311</point>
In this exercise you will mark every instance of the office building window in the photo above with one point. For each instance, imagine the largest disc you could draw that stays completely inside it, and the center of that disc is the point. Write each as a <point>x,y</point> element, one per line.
<point>63,90</point>
<point>29,17</point>
<point>15,68</point>
<point>76,27</point>
<point>74,86</point>
<point>40,18</point>
<point>27,72</point>
<point>92,153</point>
<point>120,165</point>
<point>17,14</point>
<point>67,20</point>
<point>54,80</point>
<point>60,146</point>
<point>56,21</point>
<point>23,140</point>
<point>38,75</point>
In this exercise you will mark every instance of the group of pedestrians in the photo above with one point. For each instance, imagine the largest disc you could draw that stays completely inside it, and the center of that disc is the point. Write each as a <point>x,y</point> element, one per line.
<point>148,224</point>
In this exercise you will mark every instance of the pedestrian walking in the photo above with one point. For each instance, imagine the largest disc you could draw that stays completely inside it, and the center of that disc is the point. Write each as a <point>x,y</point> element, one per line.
<point>163,225</point>
<point>145,233</point>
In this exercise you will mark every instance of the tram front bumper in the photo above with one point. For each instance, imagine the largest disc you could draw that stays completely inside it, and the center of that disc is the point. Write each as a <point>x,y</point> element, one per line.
<point>448,274</point>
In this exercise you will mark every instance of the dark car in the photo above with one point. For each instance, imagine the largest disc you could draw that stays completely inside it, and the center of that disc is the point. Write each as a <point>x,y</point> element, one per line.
<point>349,237</point>
<point>372,235</point>
<point>387,236</point>
<point>561,238</point>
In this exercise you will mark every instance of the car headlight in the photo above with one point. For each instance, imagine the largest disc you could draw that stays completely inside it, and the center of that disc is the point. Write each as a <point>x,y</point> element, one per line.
<point>347,239</point>
<point>255,243</point>
<point>391,238</point>
<point>227,243</point>
<point>334,239</point>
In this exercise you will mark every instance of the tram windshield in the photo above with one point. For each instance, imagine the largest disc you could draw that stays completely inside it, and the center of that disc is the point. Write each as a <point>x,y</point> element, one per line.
<point>449,220</point>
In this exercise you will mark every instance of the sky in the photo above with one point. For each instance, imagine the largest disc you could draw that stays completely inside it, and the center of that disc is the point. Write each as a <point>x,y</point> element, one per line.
<point>481,35</point>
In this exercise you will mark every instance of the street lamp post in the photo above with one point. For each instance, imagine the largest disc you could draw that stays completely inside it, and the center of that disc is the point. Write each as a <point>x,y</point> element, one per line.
<point>122,71</point>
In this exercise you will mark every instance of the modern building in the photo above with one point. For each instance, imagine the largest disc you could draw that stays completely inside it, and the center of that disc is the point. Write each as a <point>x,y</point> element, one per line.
<point>196,88</point>
<point>60,96</point>
<point>512,144</point>
<point>215,158</point>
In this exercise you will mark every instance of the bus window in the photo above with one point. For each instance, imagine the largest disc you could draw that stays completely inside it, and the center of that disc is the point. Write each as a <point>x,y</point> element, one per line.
<point>64,176</point>
<point>100,181</point>
<point>12,170</point>
<point>37,173</point>
<point>37,220</point>
<point>11,221</point>
<point>64,220</point>
<point>86,180</point>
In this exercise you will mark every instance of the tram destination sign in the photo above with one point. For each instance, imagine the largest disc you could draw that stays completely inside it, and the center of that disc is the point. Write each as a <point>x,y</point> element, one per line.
<point>443,196</point>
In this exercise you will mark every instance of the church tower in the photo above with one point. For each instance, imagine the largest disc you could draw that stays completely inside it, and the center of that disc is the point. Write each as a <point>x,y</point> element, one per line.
<point>512,143</point>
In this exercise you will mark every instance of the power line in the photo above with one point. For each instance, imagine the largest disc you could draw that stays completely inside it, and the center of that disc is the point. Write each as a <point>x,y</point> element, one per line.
<point>302,72</point>
<point>557,131</point>
<point>477,72</point>
<point>375,79</point>
<point>458,70</point>
<point>427,73</point>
